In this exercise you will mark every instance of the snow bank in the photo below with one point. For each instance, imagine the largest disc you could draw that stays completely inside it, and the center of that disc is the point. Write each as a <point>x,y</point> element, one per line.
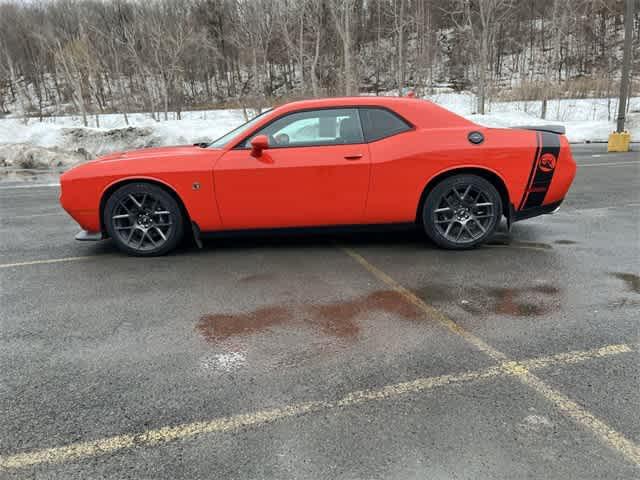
<point>586,120</point>
<point>63,141</point>
<point>100,142</point>
<point>24,155</point>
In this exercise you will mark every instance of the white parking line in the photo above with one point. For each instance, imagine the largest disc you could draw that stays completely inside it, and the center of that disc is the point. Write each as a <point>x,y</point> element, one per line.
<point>44,262</point>
<point>608,164</point>
<point>35,215</point>
<point>39,185</point>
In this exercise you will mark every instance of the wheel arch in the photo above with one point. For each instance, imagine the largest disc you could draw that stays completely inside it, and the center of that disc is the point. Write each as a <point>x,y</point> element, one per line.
<point>494,178</point>
<point>108,191</point>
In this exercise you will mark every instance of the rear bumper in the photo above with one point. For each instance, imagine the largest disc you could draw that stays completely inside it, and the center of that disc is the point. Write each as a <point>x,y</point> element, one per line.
<point>535,211</point>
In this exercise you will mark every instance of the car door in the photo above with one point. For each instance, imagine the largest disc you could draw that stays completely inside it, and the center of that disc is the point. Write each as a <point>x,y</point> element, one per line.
<point>315,172</point>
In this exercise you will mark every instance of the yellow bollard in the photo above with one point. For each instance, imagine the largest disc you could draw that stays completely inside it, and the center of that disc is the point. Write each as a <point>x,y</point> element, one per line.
<point>619,142</point>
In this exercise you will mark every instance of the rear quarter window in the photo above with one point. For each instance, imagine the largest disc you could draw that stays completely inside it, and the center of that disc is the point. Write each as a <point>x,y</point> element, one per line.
<point>378,123</point>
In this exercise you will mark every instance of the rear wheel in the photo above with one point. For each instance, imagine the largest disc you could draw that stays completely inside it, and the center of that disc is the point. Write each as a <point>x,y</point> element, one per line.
<point>462,212</point>
<point>143,219</point>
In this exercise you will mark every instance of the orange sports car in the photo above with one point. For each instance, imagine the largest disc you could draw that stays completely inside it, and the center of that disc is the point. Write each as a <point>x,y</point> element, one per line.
<point>328,162</point>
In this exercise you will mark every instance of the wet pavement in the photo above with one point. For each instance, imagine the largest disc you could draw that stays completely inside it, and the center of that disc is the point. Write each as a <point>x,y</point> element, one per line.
<point>274,358</point>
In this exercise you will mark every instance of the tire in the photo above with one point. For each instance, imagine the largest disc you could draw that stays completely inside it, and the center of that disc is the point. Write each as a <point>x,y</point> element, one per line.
<point>143,220</point>
<point>461,212</point>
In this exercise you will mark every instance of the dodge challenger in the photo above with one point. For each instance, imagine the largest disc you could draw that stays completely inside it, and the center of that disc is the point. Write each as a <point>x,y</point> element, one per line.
<point>326,163</point>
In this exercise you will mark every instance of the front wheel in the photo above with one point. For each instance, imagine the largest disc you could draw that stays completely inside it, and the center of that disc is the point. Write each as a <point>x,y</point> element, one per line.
<point>143,219</point>
<point>461,212</point>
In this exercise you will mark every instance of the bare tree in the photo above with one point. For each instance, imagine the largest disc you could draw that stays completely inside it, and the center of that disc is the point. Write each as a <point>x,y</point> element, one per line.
<point>314,13</point>
<point>626,64</point>
<point>342,11</point>
<point>480,21</point>
<point>70,58</point>
<point>399,7</point>
<point>161,56</point>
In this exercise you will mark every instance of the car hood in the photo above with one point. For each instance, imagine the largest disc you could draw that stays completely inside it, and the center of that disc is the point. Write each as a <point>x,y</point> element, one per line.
<point>156,152</point>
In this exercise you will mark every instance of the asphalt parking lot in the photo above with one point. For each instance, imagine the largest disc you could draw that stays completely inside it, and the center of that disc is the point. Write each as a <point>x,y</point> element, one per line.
<point>339,356</point>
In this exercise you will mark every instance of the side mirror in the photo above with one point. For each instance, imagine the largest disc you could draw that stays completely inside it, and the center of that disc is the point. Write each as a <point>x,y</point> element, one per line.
<point>258,144</point>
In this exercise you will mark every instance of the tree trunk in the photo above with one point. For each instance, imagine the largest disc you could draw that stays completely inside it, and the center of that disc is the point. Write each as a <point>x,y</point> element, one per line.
<point>301,52</point>
<point>165,97</point>
<point>482,74</point>
<point>14,81</point>
<point>346,49</point>
<point>314,64</point>
<point>626,64</point>
<point>401,49</point>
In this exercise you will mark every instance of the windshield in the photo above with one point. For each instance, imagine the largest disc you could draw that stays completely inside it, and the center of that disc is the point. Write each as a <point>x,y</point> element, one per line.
<point>222,141</point>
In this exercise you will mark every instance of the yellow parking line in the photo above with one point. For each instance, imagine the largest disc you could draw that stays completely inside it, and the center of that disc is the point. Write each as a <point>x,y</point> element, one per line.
<point>576,357</point>
<point>43,262</point>
<point>152,437</point>
<point>426,308</point>
<point>519,370</point>
<point>77,451</point>
<point>233,423</point>
<point>583,417</point>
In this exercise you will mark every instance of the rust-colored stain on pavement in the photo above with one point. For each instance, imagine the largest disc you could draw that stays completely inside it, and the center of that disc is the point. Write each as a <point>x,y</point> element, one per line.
<point>341,319</point>
<point>335,319</point>
<point>220,326</point>
<point>338,318</point>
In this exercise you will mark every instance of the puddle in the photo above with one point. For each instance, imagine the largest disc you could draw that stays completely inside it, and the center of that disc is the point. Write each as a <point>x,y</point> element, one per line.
<point>516,302</point>
<point>623,303</point>
<point>508,243</point>
<point>632,280</point>
<point>508,301</point>
<point>256,277</point>
<point>336,320</point>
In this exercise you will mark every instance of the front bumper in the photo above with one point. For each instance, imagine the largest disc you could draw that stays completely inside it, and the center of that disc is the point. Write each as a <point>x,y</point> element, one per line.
<point>86,236</point>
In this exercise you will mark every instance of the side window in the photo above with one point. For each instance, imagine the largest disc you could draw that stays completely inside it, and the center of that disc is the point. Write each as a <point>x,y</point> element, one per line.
<point>380,123</point>
<point>314,127</point>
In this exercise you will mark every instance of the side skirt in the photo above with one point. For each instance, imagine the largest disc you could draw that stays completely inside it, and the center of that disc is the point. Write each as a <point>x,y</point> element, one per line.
<point>304,231</point>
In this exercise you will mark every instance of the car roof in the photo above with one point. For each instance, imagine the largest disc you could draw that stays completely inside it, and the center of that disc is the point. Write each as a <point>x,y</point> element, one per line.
<point>353,100</point>
<point>417,111</point>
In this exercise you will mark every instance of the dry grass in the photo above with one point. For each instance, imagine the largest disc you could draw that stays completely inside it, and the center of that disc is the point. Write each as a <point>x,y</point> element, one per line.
<point>581,87</point>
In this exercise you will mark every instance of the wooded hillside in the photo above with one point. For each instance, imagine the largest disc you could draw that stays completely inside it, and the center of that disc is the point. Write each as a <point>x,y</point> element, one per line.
<point>163,56</point>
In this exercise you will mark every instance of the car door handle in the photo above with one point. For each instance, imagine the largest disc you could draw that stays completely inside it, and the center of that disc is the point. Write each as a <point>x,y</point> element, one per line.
<point>355,156</point>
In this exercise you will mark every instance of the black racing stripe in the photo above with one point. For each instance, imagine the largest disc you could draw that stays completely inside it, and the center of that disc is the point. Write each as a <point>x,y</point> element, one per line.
<point>534,163</point>
<point>542,179</point>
